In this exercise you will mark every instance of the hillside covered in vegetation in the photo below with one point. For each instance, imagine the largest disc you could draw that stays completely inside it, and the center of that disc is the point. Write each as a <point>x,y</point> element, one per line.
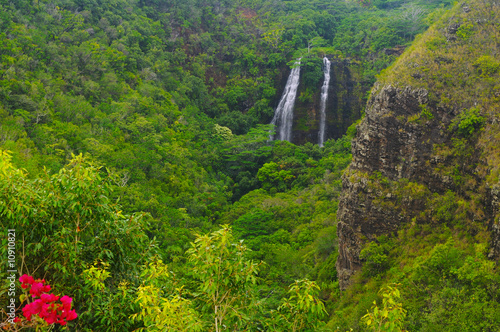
<point>137,172</point>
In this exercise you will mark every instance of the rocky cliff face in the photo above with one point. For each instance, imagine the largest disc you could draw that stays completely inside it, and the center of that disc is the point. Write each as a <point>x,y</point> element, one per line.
<point>412,156</point>
<point>386,143</point>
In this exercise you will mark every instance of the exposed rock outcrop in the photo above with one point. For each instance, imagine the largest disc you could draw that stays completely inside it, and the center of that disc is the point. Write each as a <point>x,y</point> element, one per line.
<point>397,148</point>
<point>412,153</point>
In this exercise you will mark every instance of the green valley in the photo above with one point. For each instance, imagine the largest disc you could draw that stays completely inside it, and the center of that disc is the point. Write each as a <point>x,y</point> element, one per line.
<point>142,176</point>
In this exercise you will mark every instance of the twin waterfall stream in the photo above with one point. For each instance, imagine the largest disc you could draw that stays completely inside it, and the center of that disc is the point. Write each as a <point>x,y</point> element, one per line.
<point>324,98</point>
<point>283,116</point>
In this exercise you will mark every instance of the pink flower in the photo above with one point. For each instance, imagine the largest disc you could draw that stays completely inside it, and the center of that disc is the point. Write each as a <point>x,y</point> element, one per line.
<point>32,308</point>
<point>71,315</point>
<point>36,289</point>
<point>66,301</point>
<point>26,279</point>
<point>51,318</point>
<point>49,297</point>
<point>44,312</point>
<point>46,307</point>
<point>27,312</point>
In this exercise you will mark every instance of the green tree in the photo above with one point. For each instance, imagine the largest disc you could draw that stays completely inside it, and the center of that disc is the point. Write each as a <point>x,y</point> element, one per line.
<point>301,311</point>
<point>65,222</point>
<point>163,307</point>
<point>390,317</point>
<point>273,175</point>
<point>247,152</point>
<point>223,276</point>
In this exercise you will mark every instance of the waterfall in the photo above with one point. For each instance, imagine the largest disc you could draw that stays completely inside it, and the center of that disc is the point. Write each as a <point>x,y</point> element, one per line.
<point>283,116</point>
<point>324,98</point>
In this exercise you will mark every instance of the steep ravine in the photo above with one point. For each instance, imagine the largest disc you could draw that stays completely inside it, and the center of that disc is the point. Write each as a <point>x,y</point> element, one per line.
<point>430,137</point>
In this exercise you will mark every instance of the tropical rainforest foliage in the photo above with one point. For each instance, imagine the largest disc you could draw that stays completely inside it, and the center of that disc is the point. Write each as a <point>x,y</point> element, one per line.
<point>137,171</point>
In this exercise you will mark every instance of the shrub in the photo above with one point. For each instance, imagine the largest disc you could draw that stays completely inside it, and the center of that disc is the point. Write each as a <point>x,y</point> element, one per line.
<point>376,258</point>
<point>486,65</point>
<point>465,30</point>
<point>467,122</point>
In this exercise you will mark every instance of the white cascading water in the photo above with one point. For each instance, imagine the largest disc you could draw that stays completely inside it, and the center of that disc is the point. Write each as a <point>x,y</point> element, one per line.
<point>324,98</point>
<point>283,116</point>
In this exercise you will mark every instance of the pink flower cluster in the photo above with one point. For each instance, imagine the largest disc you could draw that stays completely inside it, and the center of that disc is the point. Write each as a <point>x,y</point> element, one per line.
<point>46,307</point>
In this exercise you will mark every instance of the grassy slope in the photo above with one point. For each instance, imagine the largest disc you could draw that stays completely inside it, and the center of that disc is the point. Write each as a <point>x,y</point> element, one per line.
<point>435,256</point>
<point>460,69</point>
